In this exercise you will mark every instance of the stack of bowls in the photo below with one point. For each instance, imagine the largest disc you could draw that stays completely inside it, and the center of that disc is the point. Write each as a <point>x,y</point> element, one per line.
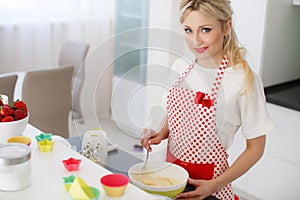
<point>45,142</point>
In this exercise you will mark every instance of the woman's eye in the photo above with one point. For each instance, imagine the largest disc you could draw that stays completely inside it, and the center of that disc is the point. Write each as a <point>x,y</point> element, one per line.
<point>205,30</point>
<point>188,30</point>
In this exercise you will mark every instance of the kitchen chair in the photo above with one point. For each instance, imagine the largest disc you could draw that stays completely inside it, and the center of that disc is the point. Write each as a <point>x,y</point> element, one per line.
<point>7,86</point>
<point>48,97</point>
<point>74,53</point>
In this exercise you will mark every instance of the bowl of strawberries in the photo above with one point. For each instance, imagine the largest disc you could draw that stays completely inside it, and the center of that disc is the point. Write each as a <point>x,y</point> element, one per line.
<point>13,119</point>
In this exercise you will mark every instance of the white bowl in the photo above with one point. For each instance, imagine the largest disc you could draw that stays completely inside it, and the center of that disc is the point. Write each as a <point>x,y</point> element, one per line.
<point>10,129</point>
<point>158,170</point>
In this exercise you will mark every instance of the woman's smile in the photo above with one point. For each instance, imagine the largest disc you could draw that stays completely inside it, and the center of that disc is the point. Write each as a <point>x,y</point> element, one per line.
<point>200,49</point>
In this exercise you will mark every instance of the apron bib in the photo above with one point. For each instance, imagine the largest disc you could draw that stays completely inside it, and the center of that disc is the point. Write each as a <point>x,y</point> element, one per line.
<point>193,142</point>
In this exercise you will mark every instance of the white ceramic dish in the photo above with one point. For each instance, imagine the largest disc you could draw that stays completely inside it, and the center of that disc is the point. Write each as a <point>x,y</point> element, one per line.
<point>160,169</point>
<point>10,129</point>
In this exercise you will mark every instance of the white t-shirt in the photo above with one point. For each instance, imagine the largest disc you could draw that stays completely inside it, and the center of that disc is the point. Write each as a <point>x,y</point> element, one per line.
<point>233,110</point>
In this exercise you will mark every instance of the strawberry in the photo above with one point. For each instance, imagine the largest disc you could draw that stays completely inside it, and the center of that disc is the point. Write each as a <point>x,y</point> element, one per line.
<point>8,119</point>
<point>16,111</point>
<point>6,110</point>
<point>20,105</point>
<point>19,114</point>
<point>11,109</point>
<point>1,102</point>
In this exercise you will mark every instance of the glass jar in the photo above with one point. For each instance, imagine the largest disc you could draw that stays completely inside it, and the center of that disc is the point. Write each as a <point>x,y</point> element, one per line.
<point>15,167</point>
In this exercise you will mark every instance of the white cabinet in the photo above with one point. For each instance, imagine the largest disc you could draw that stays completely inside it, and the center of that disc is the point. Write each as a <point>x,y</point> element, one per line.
<point>277,174</point>
<point>280,43</point>
<point>296,2</point>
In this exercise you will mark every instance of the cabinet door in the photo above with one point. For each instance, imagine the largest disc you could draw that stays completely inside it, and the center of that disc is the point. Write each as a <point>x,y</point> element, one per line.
<point>131,39</point>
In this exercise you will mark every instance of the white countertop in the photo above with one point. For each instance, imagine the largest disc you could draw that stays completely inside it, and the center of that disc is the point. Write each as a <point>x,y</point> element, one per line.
<point>48,170</point>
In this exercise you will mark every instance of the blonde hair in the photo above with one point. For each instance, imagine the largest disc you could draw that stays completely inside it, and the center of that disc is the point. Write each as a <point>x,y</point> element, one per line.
<point>222,11</point>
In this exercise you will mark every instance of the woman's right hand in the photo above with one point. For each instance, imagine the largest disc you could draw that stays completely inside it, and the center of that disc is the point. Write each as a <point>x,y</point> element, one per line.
<point>149,136</point>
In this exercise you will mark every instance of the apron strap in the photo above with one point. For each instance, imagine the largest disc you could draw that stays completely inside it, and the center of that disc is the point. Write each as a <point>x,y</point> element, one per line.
<point>218,78</point>
<point>185,73</point>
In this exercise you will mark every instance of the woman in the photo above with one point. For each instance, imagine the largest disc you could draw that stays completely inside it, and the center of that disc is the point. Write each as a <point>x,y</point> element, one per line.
<point>203,118</point>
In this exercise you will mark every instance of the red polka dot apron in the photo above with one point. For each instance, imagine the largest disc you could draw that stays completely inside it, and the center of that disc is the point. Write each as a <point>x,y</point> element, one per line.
<point>193,142</point>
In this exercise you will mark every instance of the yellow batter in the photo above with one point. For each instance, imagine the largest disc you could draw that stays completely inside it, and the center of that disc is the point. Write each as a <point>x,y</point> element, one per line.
<point>150,180</point>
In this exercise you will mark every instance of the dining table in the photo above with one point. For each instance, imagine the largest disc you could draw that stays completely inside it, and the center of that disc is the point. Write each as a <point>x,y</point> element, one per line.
<point>48,171</point>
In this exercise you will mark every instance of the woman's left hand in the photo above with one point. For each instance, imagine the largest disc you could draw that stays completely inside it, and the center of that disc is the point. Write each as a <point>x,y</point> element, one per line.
<point>204,188</point>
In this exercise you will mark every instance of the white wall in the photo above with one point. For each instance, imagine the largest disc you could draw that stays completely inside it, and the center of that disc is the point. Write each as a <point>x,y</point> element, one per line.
<point>249,22</point>
<point>281,56</point>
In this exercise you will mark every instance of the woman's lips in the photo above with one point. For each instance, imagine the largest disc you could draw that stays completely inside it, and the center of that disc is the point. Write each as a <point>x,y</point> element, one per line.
<point>200,50</point>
